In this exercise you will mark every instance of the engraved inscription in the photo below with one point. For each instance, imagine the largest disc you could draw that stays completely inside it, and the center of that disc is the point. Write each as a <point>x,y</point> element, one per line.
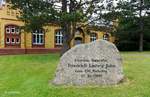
<point>90,67</point>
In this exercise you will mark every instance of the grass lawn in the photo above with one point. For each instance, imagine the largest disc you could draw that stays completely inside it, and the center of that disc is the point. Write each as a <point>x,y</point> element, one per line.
<point>29,75</point>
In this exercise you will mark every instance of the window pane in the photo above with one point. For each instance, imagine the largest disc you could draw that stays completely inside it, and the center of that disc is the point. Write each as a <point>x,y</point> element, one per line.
<point>34,38</point>
<point>7,30</point>
<point>8,40</point>
<point>41,38</point>
<point>17,40</point>
<point>93,37</point>
<point>37,39</point>
<point>13,40</point>
<point>17,30</point>
<point>59,38</point>
<point>62,39</point>
<point>12,30</point>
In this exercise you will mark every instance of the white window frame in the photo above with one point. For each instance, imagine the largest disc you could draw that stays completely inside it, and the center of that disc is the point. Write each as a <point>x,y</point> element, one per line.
<point>13,28</point>
<point>17,30</point>
<point>7,41</point>
<point>59,37</point>
<point>18,41</point>
<point>14,41</point>
<point>9,29</point>
<point>40,34</point>
<point>93,37</point>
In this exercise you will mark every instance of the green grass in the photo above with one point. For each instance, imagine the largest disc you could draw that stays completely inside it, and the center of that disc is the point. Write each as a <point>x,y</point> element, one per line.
<point>29,76</point>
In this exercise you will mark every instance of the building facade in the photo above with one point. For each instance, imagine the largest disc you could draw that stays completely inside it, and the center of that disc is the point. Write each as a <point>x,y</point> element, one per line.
<point>47,40</point>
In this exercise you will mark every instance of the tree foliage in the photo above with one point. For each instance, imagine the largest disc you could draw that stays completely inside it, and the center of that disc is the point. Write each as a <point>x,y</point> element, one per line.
<point>35,13</point>
<point>133,22</point>
<point>67,13</point>
<point>135,13</point>
<point>132,16</point>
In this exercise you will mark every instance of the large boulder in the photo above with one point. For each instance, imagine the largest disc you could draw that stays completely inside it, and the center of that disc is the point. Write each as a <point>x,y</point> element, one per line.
<point>95,63</point>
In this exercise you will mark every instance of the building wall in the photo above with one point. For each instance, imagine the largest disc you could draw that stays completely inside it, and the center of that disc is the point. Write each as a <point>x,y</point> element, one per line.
<point>28,40</point>
<point>50,36</point>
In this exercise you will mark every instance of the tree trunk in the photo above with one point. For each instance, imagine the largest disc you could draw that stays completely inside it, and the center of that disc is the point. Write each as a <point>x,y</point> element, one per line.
<point>66,39</point>
<point>141,42</point>
<point>68,27</point>
<point>65,48</point>
<point>64,27</point>
<point>141,27</point>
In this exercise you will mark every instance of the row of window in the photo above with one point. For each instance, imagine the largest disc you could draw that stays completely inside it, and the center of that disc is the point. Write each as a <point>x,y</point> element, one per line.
<point>13,41</point>
<point>12,30</point>
<point>38,36</point>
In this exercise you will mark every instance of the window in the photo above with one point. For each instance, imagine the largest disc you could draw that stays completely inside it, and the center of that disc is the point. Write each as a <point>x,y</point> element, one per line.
<point>17,30</point>
<point>12,36</point>
<point>59,37</point>
<point>93,37</point>
<point>106,37</point>
<point>7,40</point>
<point>17,40</point>
<point>8,30</point>
<point>38,37</point>
<point>12,40</point>
<point>13,30</point>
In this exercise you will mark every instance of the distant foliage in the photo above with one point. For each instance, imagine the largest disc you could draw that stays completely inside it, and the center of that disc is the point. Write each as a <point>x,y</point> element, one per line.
<point>133,31</point>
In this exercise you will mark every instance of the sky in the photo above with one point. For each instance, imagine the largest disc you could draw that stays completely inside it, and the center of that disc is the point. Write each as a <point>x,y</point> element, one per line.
<point>2,2</point>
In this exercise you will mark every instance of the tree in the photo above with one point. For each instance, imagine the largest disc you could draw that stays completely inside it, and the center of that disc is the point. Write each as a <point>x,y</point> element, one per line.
<point>132,17</point>
<point>66,13</point>
<point>135,14</point>
<point>128,34</point>
<point>137,11</point>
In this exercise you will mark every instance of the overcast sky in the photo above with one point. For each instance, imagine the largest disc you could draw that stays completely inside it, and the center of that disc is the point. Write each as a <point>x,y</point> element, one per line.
<point>2,2</point>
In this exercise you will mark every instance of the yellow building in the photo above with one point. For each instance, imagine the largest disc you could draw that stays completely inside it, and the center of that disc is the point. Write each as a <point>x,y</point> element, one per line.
<point>14,41</point>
